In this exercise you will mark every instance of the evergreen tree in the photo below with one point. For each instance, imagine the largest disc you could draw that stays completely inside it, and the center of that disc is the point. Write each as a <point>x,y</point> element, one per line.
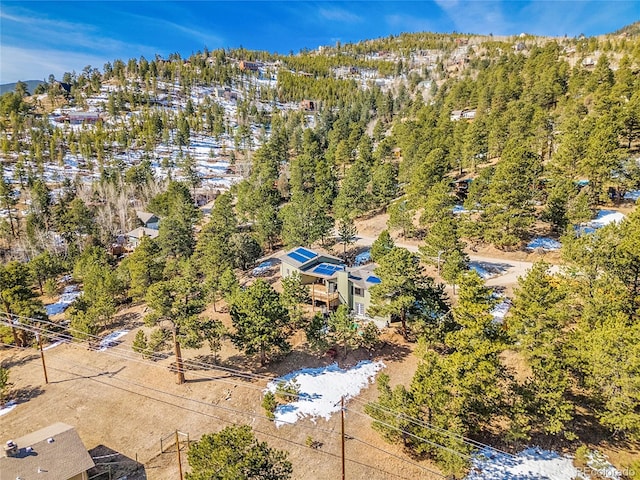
<point>294,293</point>
<point>260,320</point>
<point>537,321</point>
<point>404,292</point>
<point>177,303</point>
<point>381,246</point>
<point>234,452</point>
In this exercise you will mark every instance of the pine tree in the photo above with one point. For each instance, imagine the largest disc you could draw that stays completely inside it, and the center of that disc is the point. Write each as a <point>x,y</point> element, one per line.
<point>260,320</point>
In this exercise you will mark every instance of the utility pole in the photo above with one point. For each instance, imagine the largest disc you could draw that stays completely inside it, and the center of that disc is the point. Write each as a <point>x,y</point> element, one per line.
<point>44,365</point>
<point>342,423</point>
<point>178,450</point>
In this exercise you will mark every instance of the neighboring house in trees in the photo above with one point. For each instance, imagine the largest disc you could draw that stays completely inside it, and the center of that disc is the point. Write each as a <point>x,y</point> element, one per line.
<point>55,452</point>
<point>245,65</point>
<point>332,283</point>
<point>148,220</point>
<point>135,236</point>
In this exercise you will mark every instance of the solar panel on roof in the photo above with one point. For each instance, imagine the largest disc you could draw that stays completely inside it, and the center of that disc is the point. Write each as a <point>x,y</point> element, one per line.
<point>308,254</point>
<point>372,279</point>
<point>327,269</point>
<point>296,257</point>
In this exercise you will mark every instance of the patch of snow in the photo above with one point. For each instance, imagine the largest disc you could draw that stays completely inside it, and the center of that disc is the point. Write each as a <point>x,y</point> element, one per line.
<point>322,388</point>
<point>363,258</point>
<point>54,344</point>
<point>530,464</point>
<point>501,310</point>
<point>8,407</point>
<point>632,195</point>
<point>480,270</point>
<point>262,268</point>
<point>69,295</point>
<point>598,462</point>
<point>544,243</point>
<point>458,209</point>
<point>111,340</point>
<point>604,217</point>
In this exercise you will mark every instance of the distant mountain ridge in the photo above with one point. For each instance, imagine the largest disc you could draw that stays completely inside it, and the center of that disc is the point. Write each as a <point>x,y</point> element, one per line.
<point>9,87</point>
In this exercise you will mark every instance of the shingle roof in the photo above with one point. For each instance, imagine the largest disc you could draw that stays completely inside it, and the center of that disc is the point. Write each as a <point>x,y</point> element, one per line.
<point>142,231</point>
<point>55,452</point>
<point>144,217</point>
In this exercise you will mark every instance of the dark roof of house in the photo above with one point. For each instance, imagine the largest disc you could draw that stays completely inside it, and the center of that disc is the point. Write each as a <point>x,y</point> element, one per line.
<point>145,217</point>
<point>55,452</point>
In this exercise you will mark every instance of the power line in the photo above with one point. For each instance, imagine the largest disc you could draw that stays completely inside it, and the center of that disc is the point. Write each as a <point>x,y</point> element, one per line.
<point>154,356</point>
<point>251,414</point>
<point>429,426</point>
<point>126,354</point>
<point>404,432</point>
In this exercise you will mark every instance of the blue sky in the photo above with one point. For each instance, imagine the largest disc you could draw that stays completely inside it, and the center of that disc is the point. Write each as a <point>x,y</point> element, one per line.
<point>42,37</point>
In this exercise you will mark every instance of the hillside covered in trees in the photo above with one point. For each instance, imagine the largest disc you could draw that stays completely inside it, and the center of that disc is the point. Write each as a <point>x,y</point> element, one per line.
<point>464,141</point>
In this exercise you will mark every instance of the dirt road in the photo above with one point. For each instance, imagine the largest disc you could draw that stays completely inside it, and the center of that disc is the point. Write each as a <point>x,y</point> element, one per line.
<point>501,271</point>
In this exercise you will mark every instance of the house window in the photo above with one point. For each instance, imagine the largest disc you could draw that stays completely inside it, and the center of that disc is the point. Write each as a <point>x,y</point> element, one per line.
<point>287,272</point>
<point>358,291</point>
<point>360,309</point>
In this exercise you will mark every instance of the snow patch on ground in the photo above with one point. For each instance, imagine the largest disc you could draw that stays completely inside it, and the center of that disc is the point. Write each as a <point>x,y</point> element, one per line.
<point>262,269</point>
<point>8,407</point>
<point>55,344</point>
<point>501,310</point>
<point>632,195</point>
<point>322,388</point>
<point>111,340</point>
<point>480,270</point>
<point>69,295</point>
<point>598,462</point>
<point>362,258</point>
<point>459,209</point>
<point>604,217</point>
<point>544,243</point>
<point>530,464</point>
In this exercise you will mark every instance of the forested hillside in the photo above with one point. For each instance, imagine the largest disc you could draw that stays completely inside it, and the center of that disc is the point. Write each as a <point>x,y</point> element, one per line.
<point>464,141</point>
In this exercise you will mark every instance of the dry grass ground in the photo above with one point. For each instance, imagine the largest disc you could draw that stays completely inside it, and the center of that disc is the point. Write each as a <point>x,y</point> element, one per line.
<point>119,402</point>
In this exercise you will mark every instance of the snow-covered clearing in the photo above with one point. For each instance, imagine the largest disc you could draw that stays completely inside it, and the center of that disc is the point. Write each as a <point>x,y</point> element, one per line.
<point>69,295</point>
<point>321,390</point>
<point>632,195</point>
<point>488,270</point>
<point>530,464</point>
<point>480,270</point>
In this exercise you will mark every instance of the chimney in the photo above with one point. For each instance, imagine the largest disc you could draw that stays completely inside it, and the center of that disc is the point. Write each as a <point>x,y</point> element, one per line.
<point>11,449</point>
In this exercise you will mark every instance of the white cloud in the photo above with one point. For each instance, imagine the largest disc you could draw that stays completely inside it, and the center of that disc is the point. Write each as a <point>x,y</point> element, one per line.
<point>339,15</point>
<point>36,64</point>
<point>62,33</point>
